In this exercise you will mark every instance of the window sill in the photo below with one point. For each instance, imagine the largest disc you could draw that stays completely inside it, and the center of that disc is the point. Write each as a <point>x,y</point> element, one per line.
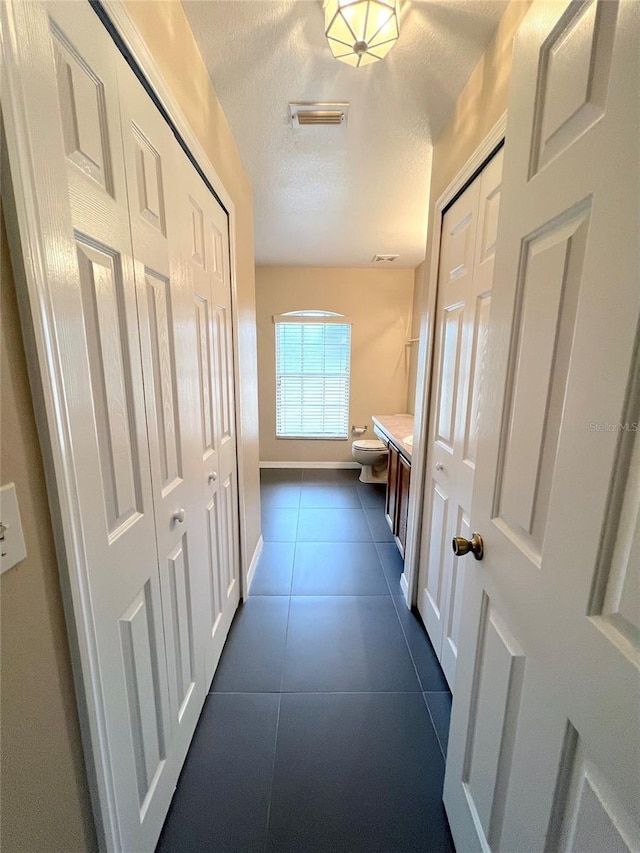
<point>312,437</point>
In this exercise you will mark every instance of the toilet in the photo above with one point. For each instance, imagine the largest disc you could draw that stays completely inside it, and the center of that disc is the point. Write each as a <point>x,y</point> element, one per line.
<point>372,455</point>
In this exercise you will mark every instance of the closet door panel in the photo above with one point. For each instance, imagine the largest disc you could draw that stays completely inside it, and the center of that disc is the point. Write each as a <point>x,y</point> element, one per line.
<point>123,560</point>
<point>83,305</point>
<point>206,249</point>
<point>129,296</point>
<point>169,357</point>
<point>465,281</point>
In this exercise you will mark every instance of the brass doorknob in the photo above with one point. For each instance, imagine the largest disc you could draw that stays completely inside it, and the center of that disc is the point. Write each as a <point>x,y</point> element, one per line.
<point>462,546</point>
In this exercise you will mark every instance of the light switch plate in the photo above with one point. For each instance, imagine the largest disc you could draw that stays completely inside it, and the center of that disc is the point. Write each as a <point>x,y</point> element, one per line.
<point>12,547</point>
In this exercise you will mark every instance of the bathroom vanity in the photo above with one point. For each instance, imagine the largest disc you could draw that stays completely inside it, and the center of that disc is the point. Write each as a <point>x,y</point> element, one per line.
<point>396,431</point>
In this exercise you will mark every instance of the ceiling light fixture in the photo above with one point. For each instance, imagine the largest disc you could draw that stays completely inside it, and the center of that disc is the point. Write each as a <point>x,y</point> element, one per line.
<point>361,31</point>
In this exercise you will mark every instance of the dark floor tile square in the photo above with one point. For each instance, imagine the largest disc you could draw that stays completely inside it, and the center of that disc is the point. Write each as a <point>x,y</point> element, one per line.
<point>333,525</point>
<point>280,495</point>
<point>222,799</point>
<point>380,531</point>
<point>279,524</point>
<point>392,564</point>
<point>424,657</point>
<point>372,495</point>
<point>337,568</point>
<point>330,475</point>
<point>440,710</point>
<point>281,475</point>
<point>328,496</point>
<point>357,774</point>
<point>346,643</point>
<point>274,570</point>
<point>253,655</point>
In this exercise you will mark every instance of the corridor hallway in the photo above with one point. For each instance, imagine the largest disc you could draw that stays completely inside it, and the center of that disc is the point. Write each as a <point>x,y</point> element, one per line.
<point>326,726</point>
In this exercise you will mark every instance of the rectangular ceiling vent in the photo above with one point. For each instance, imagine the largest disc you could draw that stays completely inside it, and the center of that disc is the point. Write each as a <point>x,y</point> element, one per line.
<point>381,259</point>
<point>318,115</point>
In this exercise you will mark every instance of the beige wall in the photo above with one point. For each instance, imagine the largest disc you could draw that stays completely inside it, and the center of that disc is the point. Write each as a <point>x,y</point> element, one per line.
<point>43,789</point>
<point>478,108</point>
<point>44,800</point>
<point>166,31</point>
<point>419,284</point>
<point>379,304</point>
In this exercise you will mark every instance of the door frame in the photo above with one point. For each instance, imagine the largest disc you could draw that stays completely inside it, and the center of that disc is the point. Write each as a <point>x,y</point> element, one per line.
<point>28,248</point>
<point>425,378</point>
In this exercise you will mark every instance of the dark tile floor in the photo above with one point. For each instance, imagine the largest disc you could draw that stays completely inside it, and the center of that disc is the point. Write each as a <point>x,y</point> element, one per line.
<point>326,727</point>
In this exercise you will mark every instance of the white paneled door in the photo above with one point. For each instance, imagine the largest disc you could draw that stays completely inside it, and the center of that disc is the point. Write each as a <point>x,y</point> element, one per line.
<point>204,238</point>
<point>181,248</point>
<point>169,361</point>
<point>465,280</point>
<point>127,261</point>
<point>544,748</point>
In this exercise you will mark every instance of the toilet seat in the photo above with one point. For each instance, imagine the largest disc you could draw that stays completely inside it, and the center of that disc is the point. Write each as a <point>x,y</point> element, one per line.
<point>369,445</point>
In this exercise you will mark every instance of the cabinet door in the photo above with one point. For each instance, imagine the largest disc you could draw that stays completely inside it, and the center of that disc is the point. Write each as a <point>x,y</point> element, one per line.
<point>392,485</point>
<point>402,503</point>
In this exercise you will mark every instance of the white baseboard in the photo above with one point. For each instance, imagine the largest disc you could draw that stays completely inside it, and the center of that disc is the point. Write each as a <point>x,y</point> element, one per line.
<point>404,586</point>
<point>310,465</point>
<point>254,565</point>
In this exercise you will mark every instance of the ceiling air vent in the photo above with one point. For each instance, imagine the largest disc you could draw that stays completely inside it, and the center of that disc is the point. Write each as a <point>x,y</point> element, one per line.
<point>318,115</point>
<point>379,259</point>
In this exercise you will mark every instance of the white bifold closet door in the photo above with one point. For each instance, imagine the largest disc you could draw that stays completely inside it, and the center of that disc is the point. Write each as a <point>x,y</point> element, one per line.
<point>465,281</point>
<point>180,246</point>
<point>130,301</point>
<point>205,249</point>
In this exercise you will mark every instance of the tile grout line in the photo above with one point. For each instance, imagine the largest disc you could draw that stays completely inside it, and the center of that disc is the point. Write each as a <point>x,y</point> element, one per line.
<point>376,544</point>
<point>286,633</point>
<point>424,696</point>
<point>286,640</point>
<point>293,569</point>
<point>273,773</point>
<point>275,741</point>
<point>318,692</point>
<point>366,518</point>
<point>328,595</point>
<point>295,535</point>
<point>404,633</point>
<point>284,657</point>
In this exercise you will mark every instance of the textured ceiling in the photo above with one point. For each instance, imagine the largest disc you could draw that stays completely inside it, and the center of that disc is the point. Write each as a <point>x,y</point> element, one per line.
<point>337,196</point>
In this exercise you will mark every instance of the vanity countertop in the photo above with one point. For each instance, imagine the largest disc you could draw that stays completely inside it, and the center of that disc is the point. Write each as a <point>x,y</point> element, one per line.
<point>397,428</point>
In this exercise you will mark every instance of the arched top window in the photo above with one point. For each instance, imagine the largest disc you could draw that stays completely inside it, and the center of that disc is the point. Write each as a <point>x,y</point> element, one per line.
<point>313,365</point>
<point>311,317</point>
<point>312,314</point>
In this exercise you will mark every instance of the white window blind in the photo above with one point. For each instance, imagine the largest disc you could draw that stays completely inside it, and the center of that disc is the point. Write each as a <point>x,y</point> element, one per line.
<point>313,360</point>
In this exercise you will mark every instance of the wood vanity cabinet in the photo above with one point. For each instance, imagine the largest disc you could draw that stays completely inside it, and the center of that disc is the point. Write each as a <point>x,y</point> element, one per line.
<point>397,501</point>
<point>402,503</point>
<point>392,478</point>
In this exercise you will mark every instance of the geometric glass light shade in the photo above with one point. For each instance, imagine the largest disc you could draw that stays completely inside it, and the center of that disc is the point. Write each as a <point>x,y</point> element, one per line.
<point>361,31</point>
